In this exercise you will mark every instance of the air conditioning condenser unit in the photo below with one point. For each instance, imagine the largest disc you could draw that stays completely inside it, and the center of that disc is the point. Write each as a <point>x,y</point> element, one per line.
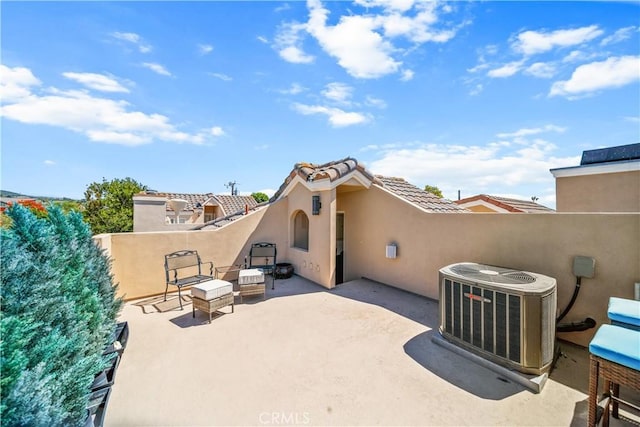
<point>504,315</point>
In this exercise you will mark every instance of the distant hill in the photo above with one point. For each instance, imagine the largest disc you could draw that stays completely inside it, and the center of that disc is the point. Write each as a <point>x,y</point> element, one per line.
<point>12,194</point>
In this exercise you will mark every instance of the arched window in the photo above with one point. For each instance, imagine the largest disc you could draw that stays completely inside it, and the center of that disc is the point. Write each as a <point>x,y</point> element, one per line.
<point>301,231</point>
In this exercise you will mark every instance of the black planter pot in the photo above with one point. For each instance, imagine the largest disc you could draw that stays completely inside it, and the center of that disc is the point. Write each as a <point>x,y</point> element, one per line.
<point>284,270</point>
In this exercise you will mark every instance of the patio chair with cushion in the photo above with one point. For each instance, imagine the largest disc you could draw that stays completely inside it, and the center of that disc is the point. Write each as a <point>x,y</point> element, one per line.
<point>262,256</point>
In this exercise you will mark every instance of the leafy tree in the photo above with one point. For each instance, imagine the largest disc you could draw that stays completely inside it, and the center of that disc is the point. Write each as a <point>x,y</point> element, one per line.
<point>260,197</point>
<point>68,205</point>
<point>109,205</point>
<point>433,190</point>
<point>58,312</point>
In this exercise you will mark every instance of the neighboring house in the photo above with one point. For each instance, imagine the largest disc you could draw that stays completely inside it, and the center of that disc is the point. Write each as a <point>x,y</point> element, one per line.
<point>607,180</point>
<point>496,204</point>
<point>153,211</point>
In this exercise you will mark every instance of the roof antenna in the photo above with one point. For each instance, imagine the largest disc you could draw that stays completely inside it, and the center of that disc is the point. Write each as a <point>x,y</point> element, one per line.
<point>232,184</point>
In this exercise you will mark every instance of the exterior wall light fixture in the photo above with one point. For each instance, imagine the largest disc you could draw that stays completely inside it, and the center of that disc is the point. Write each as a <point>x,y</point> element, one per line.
<point>315,205</point>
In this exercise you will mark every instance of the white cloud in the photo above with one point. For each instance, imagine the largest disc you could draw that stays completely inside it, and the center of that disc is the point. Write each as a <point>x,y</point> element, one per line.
<point>294,89</point>
<point>282,8</point>
<point>96,81</point>
<point>392,5</point>
<point>338,92</point>
<point>217,131</point>
<point>221,76</point>
<point>288,43</point>
<point>337,117</point>
<point>134,39</point>
<point>407,75</point>
<point>268,191</point>
<point>620,35</point>
<point>533,42</point>
<point>543,70</point>
<point>363,43</point>
<point>632,119</point>
<point>262,39</point>
<point>296,55</point>
<point>507,70</point>
<point>99,119</point>
<point>476,90</point>
<point>16,83</point>
<point>375,102</point>
<point>156,68</point>
<point>532,131</point>
<point>49,162</point>
<point>205,49</point>
<point>588,78</point>
<point>353,41</point>
<point>490,168</point>
<point>578,56</point>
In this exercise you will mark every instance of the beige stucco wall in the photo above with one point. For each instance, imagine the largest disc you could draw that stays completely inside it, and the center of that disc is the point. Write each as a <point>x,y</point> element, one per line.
<point>150,213</point>
<point>609,192</point>
<point>542,243</point>
<point>138,258</point>
<point>318,262</point>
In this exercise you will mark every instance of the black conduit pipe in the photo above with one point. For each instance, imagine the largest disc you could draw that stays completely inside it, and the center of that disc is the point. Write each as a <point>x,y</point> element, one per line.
<point>576,291</point>
<point>587,323</point>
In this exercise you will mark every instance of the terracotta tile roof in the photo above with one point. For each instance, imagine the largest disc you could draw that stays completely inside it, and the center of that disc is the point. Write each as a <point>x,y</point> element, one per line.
<point>523,205</point>
<point>509,204</point>
<point>418,196</point>
<point>221,222</point>
<point>192,199</point>
<point>230,204</point>
<point>332,170</point>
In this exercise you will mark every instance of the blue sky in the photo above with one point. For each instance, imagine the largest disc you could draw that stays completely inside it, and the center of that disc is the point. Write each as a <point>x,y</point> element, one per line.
<point>481,97</point>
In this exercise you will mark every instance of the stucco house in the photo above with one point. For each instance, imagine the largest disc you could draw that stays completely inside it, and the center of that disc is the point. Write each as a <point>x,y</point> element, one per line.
<point>154,211</point>
<point>607,180</point>
<point>492,204</point>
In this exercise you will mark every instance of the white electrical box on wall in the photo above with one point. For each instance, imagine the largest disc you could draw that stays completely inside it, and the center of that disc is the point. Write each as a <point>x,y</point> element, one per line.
<point>391,251</point>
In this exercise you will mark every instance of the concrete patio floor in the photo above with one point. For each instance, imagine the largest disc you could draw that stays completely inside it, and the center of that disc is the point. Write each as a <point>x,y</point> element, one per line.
<point>360,354</point>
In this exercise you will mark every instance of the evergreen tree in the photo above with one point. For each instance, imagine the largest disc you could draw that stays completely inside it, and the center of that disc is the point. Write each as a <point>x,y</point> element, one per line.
<point>58,312</point>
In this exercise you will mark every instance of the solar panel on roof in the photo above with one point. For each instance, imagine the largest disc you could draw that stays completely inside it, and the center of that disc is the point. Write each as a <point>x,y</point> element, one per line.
<point>611,154</point>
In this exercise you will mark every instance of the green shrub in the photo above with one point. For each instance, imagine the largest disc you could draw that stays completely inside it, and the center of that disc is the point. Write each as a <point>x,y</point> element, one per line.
<point>58,312</point>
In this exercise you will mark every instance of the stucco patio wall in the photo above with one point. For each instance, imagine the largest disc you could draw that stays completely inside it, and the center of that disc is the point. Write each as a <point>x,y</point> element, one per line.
<point>138,258</point>
<point>541,243</point>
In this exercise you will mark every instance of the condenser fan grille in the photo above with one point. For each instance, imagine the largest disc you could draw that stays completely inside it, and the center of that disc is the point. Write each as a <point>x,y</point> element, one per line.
<point>493,274</point>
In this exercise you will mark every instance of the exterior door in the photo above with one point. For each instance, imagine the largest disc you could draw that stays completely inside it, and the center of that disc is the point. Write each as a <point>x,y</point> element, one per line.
<point>339,248</point>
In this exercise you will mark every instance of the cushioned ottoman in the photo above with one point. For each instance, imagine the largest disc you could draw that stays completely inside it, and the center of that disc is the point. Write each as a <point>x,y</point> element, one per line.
<point>251,282</point>
<point>212,295</point>
<point>624,312</point>
<point>211,289</point>
<point>250,276</point>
